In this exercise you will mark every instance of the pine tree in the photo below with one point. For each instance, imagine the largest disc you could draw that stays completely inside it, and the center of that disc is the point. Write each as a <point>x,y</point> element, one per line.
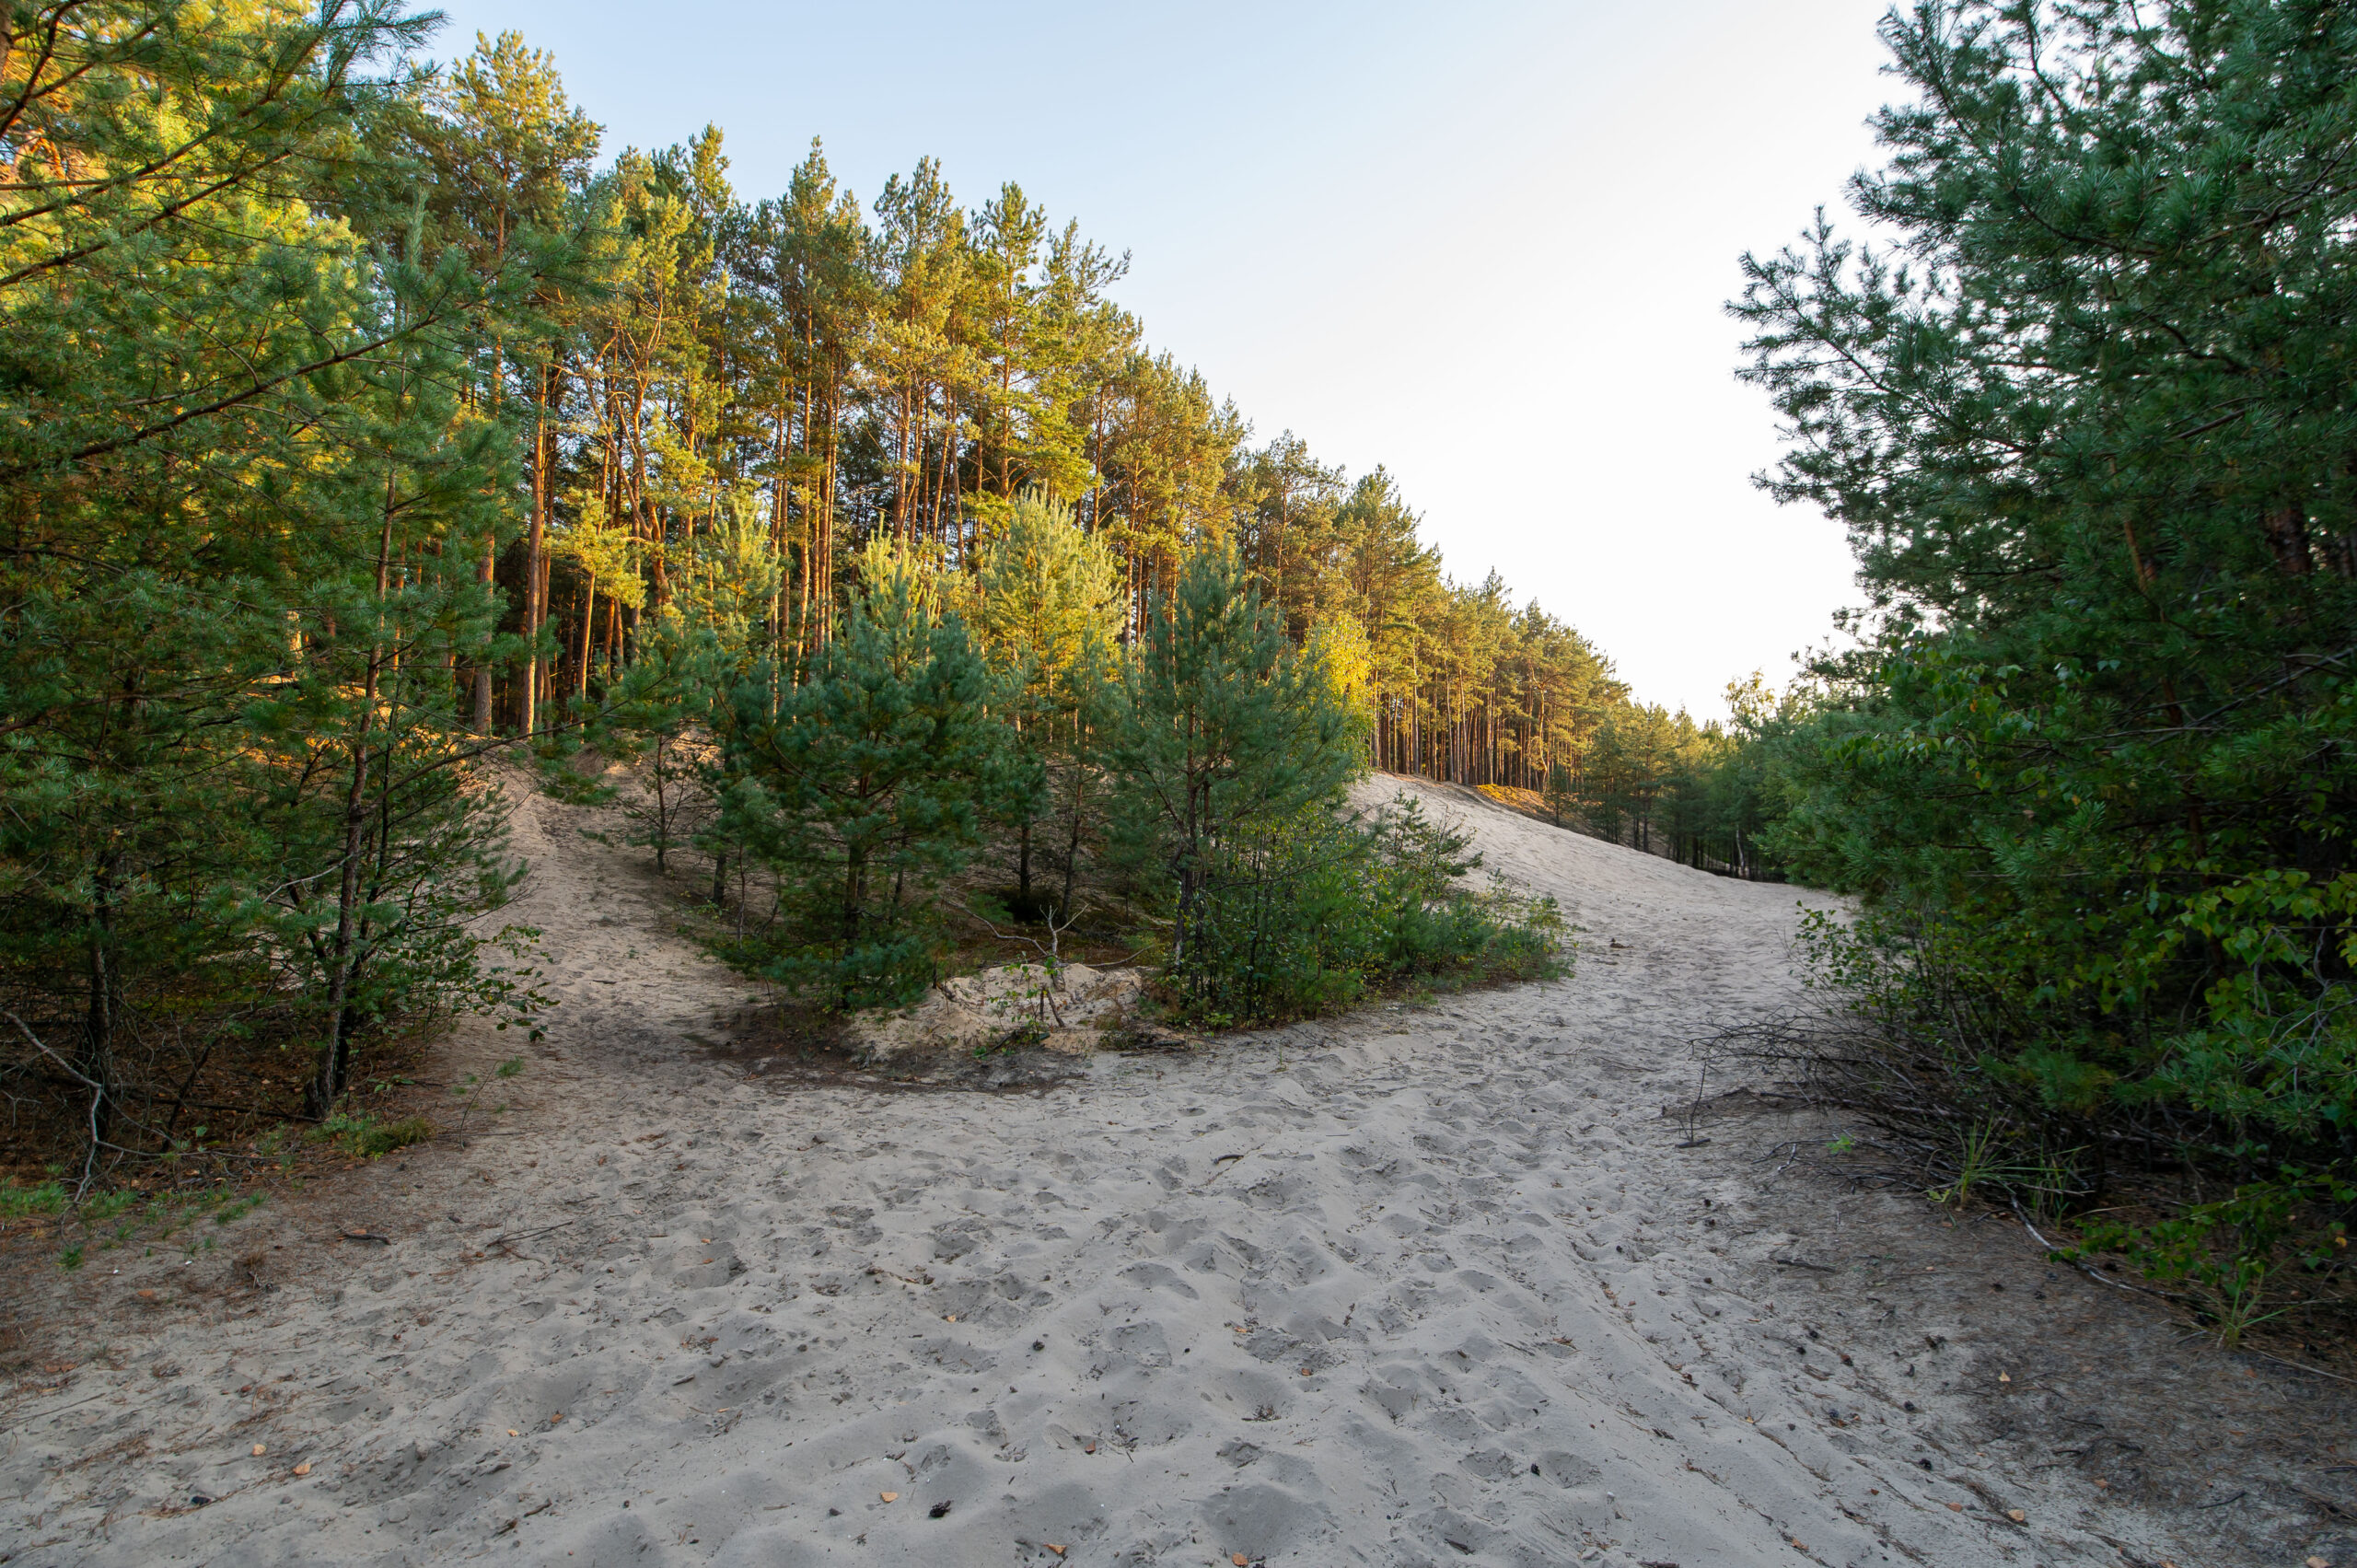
<point>864,789</point>
<point>508,152</point>
<point>2088,425</point>
<point>240,480</point>
<point>1046,607</point>
<point>1221,731</point>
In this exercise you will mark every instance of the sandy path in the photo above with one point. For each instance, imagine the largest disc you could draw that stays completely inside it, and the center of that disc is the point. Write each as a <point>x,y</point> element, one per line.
<point>1420,1285</point>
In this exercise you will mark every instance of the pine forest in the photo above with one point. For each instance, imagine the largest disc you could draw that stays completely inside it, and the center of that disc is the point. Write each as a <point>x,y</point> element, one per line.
<point>366,419</point>
<point>380,446</point>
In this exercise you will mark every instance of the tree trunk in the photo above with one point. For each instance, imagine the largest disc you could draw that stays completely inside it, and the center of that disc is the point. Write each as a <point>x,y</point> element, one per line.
<point>335,1063</point>
<point>487,574</point>
<point>589,623</point>
<point>1071,849</point>
<point>96,1062</point>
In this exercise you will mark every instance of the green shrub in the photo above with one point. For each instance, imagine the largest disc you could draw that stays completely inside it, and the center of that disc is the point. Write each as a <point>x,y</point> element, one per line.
<point>2231,1252</point>
<point>864,787</point>
<point>1229,756</point>
<point>1316,912</point>
<point>369,1143</point>
<point>2091,764</point>
<point>17,1202</point>
<point>368,1138</point>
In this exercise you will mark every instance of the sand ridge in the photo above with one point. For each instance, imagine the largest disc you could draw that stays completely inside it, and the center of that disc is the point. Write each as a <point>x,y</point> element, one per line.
<point>1423,1284</point>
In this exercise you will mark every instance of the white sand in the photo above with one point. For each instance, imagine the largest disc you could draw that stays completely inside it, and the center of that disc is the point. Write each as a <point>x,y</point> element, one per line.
<point>1421,1285</point>
<point>1068,1009</point>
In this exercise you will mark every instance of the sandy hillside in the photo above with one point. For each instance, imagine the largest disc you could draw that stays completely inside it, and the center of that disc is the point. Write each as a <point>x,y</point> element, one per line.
<point>1422,1285</point>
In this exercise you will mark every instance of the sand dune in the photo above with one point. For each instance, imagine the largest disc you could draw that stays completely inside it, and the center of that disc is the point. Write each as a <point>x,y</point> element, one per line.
<point>1424,1285</point>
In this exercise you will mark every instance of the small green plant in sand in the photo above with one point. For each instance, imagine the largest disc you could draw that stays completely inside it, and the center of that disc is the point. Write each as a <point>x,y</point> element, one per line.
<point>2058,1186</point>
<point>18,1202</point>
<point>2238,1300</point>
<point>1023,1036</point>
<point>391,1136</point>
<point>369,1138</point>
<point>510,1067</point>
<point>106,1205</point>
<point>2233,1255</point>
<point>1979,1164</point>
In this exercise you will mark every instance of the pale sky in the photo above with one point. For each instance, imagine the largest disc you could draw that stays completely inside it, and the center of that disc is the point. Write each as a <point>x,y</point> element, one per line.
<point>1484,244</point>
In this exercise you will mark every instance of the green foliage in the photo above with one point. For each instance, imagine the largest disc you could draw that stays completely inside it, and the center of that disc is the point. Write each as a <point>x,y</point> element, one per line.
<point>1228,762</point>
<point>1221,735</point>
<point>1711,793</point>
<point>654,713</point>
<point>18,1202</point>
<point>2092,767</point>
<point>1313,912</point>
<point>1024,1036</point>
<point>1045,608</point>
<point>369,1143</point>
<point>240,442</point>
<point>369,1138</point>
<point>1633,760</point>
<point>2233,1250</point>
<point>863,788</point>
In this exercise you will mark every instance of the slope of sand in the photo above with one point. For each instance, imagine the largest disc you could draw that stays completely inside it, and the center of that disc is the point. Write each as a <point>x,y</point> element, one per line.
<point>1424,1285</point>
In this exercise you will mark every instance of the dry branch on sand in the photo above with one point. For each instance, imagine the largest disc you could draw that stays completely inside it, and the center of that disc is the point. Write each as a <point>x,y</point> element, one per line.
<point>1068,1009</point>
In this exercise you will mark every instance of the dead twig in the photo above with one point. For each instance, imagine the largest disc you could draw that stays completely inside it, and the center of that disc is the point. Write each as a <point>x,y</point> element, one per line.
<point>2303,1366</point>
<point>1224,1163</point>
<point>508,1244</point>
<point>504,1238</point>
<point>2321,1501</point>
<point>2061,1256</point>
<point>98,1098</point>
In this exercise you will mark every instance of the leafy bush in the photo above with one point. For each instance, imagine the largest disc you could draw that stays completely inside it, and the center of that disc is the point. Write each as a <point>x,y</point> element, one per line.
<point>1315,912</point>
<point>1980,1092</point>
<point>864,787</point>
<point>2094,768</point>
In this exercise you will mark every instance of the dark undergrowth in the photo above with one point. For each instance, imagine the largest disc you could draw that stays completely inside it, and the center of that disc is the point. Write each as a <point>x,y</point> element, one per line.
<point>2143,1194</point>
